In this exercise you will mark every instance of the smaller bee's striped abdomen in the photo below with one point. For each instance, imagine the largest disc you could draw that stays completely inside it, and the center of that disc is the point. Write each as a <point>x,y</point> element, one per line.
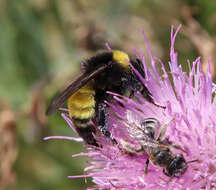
<point>81,107</point>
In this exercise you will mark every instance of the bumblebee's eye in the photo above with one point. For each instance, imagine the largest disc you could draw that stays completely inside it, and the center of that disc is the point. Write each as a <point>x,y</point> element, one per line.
<point>138,87</point>
<point>138,65</point>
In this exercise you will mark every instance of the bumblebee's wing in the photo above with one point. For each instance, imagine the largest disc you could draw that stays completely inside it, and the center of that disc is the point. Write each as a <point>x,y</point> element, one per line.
<point>73,87</point>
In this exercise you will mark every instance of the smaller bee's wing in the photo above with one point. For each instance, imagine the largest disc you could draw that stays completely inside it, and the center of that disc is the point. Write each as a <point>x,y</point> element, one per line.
<point>162,131</point>
<point>73,87</point>
<point>129,147</point>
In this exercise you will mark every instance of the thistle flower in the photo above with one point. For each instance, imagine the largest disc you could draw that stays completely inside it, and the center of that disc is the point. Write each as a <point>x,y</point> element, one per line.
<point>190,99</point>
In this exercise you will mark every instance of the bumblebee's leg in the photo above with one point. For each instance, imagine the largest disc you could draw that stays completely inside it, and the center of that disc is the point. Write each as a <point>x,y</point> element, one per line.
<point>148,96</point>
<point>102,121</point>
<point>86,134</point>
<point>146,167</point>
<point>85,130</point>
<point>131,95</point>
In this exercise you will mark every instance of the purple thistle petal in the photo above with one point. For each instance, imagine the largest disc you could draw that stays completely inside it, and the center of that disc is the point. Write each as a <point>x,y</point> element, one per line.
<point>150,54</point>
<point>64,137</point>
<point>69,122</point>
<point>135,53</point>
<point>83,67</point>
<point>137,73</point>
<point>108,46</point>
<point>63,109</point>
<point>79,176</point>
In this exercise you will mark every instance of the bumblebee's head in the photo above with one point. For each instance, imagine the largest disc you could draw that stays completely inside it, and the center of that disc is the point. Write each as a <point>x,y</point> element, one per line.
<point>138,65</point>
<point>177,167</point>
<point>137,84</point>
<point>123,59</point>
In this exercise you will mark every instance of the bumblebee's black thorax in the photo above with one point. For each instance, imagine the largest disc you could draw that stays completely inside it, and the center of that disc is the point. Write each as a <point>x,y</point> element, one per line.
<point>96,61</point>
<point>113,78</point>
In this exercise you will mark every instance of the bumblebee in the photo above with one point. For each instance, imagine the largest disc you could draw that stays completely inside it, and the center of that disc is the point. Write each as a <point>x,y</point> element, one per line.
<point>157,147</point>
<point>106,71</point>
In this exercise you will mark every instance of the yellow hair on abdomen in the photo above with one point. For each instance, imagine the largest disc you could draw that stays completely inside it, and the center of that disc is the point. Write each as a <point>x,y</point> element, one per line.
<point>82,113</point>
<point>87,89</point>
<point>121,57</point>
<point>81,104</point>
<point>81,100</point>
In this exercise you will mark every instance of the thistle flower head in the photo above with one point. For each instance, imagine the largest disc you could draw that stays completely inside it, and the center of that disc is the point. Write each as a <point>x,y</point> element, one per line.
<point>190,104</point>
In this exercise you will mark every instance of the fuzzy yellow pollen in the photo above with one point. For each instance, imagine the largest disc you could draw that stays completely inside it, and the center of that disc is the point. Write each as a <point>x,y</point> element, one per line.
<point>121,57</point>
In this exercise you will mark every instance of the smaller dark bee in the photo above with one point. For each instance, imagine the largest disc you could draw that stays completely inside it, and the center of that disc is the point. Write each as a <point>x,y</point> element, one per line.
<point>157,147</point>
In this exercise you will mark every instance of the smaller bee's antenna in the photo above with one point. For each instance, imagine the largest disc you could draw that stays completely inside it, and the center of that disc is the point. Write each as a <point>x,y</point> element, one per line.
<point>170,179</point>
<point>191,161</point>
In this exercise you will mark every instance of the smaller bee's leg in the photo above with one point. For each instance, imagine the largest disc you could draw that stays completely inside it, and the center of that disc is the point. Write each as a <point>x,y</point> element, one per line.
<point>102,122</point>
<point>130,148</point>
<point>171,178</point>
<point>176,146</point>
<point>146,167</point>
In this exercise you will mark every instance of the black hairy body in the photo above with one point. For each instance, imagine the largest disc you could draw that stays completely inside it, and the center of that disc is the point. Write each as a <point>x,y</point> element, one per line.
<point>107,71</point>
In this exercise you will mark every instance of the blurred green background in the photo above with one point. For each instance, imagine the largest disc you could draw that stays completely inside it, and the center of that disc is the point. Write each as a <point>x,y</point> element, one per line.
<point>42,43</point>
